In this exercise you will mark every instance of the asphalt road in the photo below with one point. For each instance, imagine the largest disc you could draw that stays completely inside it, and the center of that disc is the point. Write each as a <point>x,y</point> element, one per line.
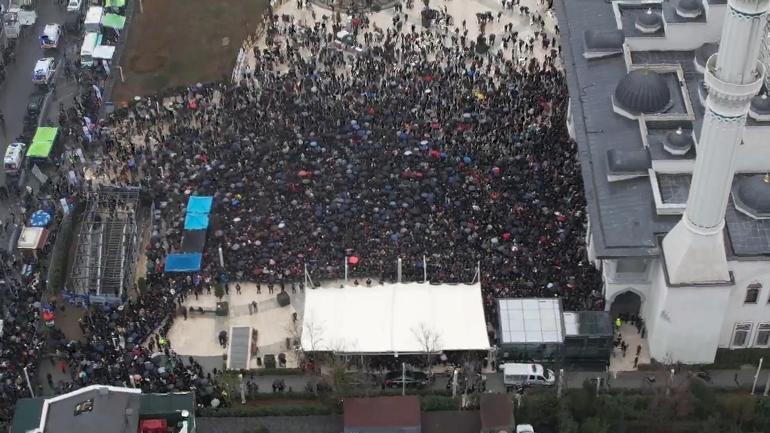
<point>18,86</point>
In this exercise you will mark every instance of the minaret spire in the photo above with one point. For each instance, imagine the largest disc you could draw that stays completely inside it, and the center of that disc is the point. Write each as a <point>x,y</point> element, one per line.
<point>694,249</point>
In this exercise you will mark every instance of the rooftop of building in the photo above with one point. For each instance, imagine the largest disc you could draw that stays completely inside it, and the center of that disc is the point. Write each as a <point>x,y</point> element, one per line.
<point>104,409</point>
<point>617,148</point>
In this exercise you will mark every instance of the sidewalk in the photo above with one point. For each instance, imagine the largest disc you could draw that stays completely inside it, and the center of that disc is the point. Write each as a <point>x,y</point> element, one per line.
<point>728,379</point>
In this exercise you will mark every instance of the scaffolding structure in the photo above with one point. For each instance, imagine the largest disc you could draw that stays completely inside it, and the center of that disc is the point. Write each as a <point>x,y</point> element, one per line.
<point>107,241</point>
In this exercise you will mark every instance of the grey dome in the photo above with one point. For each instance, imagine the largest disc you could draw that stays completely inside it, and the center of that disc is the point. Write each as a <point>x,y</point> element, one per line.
<point>649,22</point>
<point>678,142</point>
<point>642,91</point>
<point>689,8</point>
<point>753,195</point>
<point>604,39</point>
<point>760,104</point>
<point>703,53</point>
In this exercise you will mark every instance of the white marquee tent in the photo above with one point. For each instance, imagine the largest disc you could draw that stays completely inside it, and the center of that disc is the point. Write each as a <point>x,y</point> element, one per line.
<point>394,318</point>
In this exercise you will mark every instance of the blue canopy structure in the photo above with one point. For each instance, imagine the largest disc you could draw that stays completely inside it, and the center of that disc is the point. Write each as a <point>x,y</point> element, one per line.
<point>183,262</point>
<point>199,204</point>
<point>196,221</point>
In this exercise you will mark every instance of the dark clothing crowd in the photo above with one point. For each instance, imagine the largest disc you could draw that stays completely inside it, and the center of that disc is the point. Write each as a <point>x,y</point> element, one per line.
<point>421,145</point>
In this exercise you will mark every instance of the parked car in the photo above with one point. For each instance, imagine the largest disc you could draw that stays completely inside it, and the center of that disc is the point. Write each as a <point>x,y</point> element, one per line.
<point>44,70</point>
<point>525,428</point>
<point>74,5</point>
<point>412,379</point>
<point>34,106</point>
<point>361,380</point>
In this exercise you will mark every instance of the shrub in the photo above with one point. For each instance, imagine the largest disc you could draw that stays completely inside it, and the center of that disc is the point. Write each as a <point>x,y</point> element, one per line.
<point>430,403</point>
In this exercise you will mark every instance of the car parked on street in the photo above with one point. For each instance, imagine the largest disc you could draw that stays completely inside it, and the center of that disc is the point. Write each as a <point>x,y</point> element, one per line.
<point>412,379</point>
<point>74,5</point>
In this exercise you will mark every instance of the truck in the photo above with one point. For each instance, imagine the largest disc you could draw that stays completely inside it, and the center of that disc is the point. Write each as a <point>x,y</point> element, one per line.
<point>91,40</point>
<point>93,20</point>
<point>20,14</point>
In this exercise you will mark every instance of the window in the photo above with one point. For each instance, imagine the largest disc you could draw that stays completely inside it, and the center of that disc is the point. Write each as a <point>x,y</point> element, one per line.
<point>631,266</point>
<point>84,406</point>
<point>752,294</point>
<point>741,335</point>
<point>763,335</point>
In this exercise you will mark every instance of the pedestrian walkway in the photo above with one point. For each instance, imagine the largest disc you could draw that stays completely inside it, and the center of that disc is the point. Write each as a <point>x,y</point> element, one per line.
<point>197,334</point>
<point>637,351</point>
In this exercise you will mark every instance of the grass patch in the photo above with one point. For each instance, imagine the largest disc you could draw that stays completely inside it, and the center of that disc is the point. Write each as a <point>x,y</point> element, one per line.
<point>179,42</point>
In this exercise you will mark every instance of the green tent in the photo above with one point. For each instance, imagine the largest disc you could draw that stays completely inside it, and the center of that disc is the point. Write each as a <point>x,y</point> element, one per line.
<point>114,3</point>
<point>42,143</point>
<point>114,21</point>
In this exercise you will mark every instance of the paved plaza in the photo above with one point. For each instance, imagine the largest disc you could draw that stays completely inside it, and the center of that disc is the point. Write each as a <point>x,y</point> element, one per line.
<point>463,12</point>
<point>197,336</point>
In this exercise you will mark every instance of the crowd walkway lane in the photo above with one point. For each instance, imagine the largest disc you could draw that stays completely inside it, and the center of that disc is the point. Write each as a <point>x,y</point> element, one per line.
<point>728,379</point>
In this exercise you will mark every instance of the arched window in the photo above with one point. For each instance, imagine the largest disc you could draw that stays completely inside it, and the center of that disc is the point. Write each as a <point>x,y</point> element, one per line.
<point>752,293</point>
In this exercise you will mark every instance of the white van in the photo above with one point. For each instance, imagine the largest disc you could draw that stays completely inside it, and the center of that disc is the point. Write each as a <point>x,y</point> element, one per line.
<point>515,374</point>
<point>44,70</point>
<point>14,156</point>
<point>90,42</point>
<point>50,36</point>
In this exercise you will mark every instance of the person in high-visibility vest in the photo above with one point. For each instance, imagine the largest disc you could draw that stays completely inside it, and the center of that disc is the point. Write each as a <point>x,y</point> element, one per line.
<point>618,323</point>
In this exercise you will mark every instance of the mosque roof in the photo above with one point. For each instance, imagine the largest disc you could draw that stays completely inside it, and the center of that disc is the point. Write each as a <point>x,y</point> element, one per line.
<point>624,219</point>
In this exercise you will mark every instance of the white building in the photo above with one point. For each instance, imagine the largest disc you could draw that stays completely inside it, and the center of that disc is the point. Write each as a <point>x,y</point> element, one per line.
<point>674,170</point>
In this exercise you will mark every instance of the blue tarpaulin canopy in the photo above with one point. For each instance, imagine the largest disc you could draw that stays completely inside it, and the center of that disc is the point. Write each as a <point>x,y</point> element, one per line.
<point>183,262</point>
<point>196,221</point>
<point>199,204</point>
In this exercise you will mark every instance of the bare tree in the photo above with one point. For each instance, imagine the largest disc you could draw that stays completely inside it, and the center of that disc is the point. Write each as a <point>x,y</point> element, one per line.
<point>314,333</point>
<point>430,342</point>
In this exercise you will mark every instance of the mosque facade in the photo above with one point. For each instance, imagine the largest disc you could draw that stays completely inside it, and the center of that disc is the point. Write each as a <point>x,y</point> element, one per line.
<point>669,106</point>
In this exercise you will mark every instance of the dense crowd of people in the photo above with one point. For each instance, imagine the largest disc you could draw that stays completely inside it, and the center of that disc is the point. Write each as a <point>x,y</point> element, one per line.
<point>431,146</point>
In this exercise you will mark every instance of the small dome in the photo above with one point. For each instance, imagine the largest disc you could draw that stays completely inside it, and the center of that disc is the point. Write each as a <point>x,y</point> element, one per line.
<point>760,104</point>
<point>689,8</point>
<point>753,196</point>
<point>649,22</point>
<point>642,91</point>
<point>601,40</point>
<point>678,142</point>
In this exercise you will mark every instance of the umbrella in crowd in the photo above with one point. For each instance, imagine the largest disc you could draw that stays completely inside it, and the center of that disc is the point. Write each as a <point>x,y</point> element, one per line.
<point>40,218</point>
<point>417,147</point>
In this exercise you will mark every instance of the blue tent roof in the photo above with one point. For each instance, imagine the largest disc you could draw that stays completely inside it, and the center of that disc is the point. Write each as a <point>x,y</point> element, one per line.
<point>199,204</point>
<point>196,221</point>
<point>183,262</point>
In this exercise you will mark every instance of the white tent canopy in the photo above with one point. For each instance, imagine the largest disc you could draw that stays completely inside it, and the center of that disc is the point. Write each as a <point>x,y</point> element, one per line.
<point>395,318</point>
<point>104,52</point>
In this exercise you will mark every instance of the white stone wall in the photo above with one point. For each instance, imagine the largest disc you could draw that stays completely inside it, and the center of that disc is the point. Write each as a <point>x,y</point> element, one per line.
<point>685,323</point>
<point>746,273</point>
